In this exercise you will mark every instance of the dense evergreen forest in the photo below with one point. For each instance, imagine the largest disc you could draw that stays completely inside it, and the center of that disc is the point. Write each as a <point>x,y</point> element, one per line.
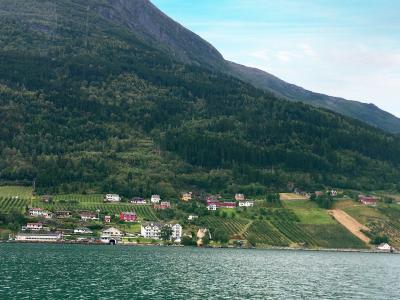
<point>85,106</point>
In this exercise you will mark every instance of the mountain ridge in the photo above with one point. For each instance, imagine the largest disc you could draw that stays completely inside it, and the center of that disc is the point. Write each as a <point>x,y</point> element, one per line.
<point>188,47</point>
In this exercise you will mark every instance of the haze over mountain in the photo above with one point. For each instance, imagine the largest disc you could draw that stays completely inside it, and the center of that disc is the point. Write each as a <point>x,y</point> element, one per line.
<point>112,95</point>
<point>155,27</point>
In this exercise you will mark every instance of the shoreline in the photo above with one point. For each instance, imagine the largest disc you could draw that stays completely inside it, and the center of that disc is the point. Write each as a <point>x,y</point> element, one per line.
<point>370,251</point>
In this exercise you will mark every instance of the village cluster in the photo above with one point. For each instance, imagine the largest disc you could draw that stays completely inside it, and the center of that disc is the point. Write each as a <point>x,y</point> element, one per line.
<point>38,232</point>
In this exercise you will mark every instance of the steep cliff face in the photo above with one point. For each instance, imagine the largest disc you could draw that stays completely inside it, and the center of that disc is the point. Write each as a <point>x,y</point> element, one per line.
<point>154,27</point>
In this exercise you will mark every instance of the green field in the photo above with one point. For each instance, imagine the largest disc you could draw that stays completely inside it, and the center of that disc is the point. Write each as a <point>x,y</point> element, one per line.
<point>72,202</point>
<point>309,213</point>
<point>9,205</point>
<point>16,191</point>
<point>333,236</point>
<point>95,198</point>
<point>267,234</point>
<point>235,227</point>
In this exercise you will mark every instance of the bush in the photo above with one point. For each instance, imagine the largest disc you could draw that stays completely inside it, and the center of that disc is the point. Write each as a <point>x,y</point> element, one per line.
<point>377,240</point>
<point>221,235</point>
<point>188,241</point>
<point>4,235</point>
<point>252,239</point>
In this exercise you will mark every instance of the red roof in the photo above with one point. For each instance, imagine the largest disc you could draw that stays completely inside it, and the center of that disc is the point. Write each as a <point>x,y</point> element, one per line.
<point>221,204</point>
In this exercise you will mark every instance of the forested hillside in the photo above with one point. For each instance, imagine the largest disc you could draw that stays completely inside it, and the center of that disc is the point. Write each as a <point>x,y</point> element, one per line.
<point>86,106</point>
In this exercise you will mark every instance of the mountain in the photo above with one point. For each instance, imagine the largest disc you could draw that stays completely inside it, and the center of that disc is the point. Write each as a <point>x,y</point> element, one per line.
<point>90,102</point>
<point>368,113</point>
<point>153,26</point>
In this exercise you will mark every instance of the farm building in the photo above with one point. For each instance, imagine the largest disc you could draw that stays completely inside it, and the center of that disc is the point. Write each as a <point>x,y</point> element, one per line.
<point>112,232</point>
<point>186,197</point>
<point>39,212</point>
<point>112,198</point>
<point>163,205</point>
<point>88,216</point>
<point>128,216</point>
<point>368,200</point>
<point>155,199</point>
<point>63,214</point>
<point>82,230</point>
<point>240,197</point>
<point>192,217</point>
<point>138,201</point>
<point>246,203</point>
<point>33,227</point>
<point>385,247</point>
<point>214,205</point>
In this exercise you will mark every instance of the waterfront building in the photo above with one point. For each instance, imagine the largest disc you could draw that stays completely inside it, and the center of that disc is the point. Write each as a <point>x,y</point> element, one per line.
<point>39,237</point>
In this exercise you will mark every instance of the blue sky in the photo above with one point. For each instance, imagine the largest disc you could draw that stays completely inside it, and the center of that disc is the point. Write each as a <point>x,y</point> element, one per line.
<point>346,48</point>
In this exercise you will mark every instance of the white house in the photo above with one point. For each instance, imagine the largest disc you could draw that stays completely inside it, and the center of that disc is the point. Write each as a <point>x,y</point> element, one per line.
<point>192,217</point>
<point>155,198</point>
<point>39,212</point>
<point>38,237</point>
<point>138,201</point>
<point>212,206</point>
<point>240,197</point>
<point>83,230</point>
<point>89,216</point>
<point>112,198</point>
<point>151,230</point>
<point>33,227</point>
<point>246,203</point>
<point>176,232</point>
<point>384,247</point>
<point>112,232</point>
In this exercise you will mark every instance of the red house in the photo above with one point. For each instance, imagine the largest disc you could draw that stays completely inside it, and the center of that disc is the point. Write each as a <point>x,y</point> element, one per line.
<point>128,216</point>
<point>163,205</point>
<point>214,205</point>
<point>368,200</point>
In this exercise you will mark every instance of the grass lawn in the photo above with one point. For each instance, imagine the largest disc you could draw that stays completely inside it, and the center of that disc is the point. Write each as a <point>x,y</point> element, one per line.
<point>130,228</point>
<point>24,192</point>
<point>92,198</point>
<point>309,213</point>
<point>364,214</point>
<point>300,204</point>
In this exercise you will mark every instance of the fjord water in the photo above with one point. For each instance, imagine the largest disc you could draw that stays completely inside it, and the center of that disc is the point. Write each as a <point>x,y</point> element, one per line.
<point>107,272</point>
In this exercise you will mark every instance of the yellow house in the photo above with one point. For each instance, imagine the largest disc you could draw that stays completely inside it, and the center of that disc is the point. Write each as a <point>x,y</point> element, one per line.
<point>186,197</point>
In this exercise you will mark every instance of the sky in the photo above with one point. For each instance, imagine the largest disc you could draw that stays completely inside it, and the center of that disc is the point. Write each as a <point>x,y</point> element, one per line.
<point>345,48</point>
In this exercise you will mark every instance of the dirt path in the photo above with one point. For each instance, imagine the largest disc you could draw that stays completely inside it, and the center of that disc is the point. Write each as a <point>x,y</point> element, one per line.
<point>245,228</point>
<point>351,224</point>
<point>292,197</point>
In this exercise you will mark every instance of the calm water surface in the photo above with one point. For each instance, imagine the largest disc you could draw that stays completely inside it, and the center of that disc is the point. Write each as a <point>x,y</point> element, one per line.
<point>107,272</point>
